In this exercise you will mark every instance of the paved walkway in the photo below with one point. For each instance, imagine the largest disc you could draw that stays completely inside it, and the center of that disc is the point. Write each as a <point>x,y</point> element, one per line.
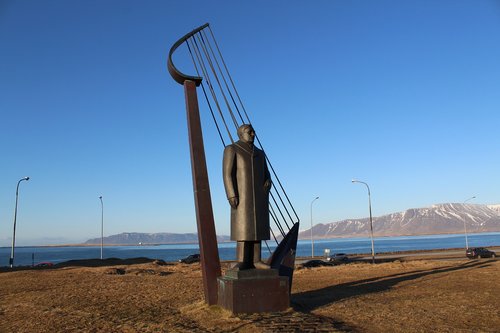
<point>292,321</point>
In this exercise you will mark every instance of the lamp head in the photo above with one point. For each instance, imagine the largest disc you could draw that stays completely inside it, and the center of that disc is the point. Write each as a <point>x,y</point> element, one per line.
<point>26,178</point>
<point>100,197</point>
<point>353,180</point>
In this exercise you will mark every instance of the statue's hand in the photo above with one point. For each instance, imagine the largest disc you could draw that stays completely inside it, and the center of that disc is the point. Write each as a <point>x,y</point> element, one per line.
<point>234,202</point>
<point>267,185</point>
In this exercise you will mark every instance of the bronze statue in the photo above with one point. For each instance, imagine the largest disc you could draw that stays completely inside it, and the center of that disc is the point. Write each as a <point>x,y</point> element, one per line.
<point>247,182</point>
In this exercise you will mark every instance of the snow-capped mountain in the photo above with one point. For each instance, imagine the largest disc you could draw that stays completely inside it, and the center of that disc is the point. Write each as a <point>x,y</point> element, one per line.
<point>437,219</point>
<point>495,208</point>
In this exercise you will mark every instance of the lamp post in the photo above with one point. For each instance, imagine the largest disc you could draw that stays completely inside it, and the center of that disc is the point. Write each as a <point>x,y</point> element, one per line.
<point>102,224</point>
<point>465,226</point>
<point>371,221</point>
<point>11,260</point>
<point>312,242</point>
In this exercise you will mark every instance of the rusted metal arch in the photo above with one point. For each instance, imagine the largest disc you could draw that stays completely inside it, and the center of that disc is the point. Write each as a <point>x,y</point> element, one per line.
<point>207,239</point>
<point>177,75</point>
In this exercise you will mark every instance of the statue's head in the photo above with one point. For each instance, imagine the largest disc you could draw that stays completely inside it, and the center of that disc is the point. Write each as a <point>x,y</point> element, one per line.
<point>246,133</point>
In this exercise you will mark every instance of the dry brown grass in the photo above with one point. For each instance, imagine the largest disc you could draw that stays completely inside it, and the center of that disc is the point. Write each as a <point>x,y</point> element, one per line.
<point>411,296</point>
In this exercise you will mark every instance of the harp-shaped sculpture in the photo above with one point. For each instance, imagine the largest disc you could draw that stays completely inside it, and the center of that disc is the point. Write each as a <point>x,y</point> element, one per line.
<point>228,113</point>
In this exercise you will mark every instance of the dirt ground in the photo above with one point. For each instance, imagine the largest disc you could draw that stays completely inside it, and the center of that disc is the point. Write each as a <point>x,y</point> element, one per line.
<point>147,296</point>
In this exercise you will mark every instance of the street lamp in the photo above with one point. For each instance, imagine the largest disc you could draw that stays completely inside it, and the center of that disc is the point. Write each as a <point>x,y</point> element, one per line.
<point>371,221</point>
<point>102,224</point>
<point>312,242</point>
<point>11,260</point>
<point>465,226</point>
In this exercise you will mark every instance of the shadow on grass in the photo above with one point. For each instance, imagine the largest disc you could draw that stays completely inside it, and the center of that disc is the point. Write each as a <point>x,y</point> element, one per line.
<point>310,300</point>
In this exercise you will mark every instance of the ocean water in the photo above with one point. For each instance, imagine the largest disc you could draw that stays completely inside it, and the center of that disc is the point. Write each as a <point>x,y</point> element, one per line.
<point>174,252</point>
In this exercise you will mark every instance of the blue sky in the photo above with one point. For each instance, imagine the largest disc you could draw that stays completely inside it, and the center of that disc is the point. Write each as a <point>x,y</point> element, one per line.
<point>401,94</point>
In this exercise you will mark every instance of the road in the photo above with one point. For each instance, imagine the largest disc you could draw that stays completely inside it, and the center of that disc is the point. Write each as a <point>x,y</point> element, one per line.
<point>451,254</point>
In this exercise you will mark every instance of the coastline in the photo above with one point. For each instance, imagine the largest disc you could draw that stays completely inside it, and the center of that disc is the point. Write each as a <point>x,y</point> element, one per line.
<point>229,241</point>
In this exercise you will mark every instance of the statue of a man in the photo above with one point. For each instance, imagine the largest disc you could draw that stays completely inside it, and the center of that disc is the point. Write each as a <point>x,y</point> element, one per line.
<point>247,182</point>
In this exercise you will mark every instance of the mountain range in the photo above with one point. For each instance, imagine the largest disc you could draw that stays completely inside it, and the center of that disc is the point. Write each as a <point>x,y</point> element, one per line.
<point>445,218</point>
<point>135,238</point>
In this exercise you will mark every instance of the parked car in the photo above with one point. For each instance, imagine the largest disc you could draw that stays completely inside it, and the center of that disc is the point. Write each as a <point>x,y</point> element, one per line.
<point>44,264</point>
<point>190,259</point>
<point>479,252</point>
<point>338,257</point>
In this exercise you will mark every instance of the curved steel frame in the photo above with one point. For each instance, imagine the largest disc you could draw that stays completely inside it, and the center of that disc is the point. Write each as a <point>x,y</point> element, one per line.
<point>177,75</point>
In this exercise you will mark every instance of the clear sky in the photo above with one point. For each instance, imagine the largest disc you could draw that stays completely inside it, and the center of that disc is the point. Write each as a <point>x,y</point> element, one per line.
<point>404,95</point>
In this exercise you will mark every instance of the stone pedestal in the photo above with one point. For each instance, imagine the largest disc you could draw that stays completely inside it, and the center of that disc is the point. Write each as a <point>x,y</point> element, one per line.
<point>253,290</point>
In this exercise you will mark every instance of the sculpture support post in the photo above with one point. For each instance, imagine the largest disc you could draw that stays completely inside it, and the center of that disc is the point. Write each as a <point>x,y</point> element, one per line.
<point>210,264</point>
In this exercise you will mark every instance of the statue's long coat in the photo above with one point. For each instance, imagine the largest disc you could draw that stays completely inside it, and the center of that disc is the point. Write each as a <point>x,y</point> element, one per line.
<point>245,173</point>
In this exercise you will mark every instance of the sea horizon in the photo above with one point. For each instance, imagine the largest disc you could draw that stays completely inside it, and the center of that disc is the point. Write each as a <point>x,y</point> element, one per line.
<point>31,255</point>
<point>316,239</point>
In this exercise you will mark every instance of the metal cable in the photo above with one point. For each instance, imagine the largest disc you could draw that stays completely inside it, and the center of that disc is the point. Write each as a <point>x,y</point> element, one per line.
<point>206,97</point>
<point>279,183</point>
<point>202,46</point>
<point>207,78</point>
<point>229,75</point>
<point>265,241</point>
<point>207,42</point>
<point>249,121</point>
<point>279,210</point>
<point>209,60</point>
<point>275,218</point>
<point>222,74</point>
<point>209,82</point>
<point>274,236</point>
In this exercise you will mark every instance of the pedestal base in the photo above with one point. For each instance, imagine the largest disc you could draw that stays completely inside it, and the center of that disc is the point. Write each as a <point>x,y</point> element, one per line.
<point>253,290</point>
